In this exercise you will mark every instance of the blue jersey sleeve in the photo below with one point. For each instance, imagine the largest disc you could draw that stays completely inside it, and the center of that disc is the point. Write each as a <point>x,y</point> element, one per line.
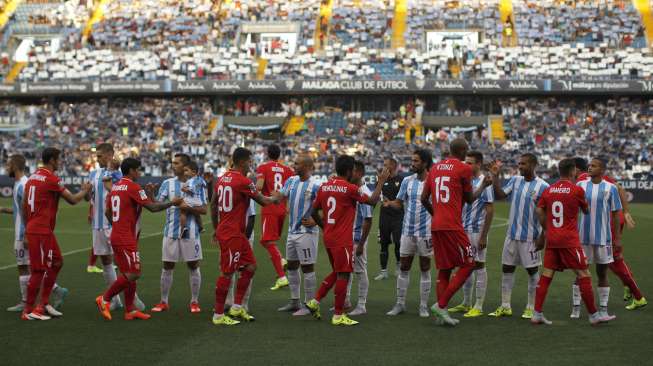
<point>163,192</point>
<point>615,200</point>
<point>403,190</point>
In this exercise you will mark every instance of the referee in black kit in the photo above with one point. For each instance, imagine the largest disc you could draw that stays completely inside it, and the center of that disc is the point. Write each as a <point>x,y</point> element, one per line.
<point>390,220</point>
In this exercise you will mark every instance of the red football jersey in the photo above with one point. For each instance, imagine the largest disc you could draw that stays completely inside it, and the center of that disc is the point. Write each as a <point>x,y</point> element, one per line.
<point>233,191</point>
<point>42,190</point>
<point>274,176</point>
<point>124,202</point>
<point>562,201</point>
<point>446,183</point>
<point>337,198</point>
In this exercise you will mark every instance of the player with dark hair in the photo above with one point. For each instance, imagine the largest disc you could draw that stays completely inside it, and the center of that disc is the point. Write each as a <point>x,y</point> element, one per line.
<point>390,219</point>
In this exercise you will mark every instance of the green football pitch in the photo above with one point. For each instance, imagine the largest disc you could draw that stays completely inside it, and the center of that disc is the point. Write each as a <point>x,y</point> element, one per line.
<point>177,337</point>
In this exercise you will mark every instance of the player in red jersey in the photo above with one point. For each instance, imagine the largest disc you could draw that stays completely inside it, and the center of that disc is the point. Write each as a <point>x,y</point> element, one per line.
<point>40,203</point>
<point>337,197</point>
<point>557,211</point>
<point>447,187</point>
<point>271,177</point>
<point>232,195</point>
<point>123,209</point>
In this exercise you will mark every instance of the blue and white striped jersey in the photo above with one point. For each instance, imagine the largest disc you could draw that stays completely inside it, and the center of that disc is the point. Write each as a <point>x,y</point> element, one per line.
<point>19,225</point>
<point>300,198</point>
<point>363,212</point>
<point>196,185</point>
<point>171,188</point>
<point>523,224</point>
<point>603,199</point>
<point>417,221</point>
<point>474,214</point>
<point>99,196</point>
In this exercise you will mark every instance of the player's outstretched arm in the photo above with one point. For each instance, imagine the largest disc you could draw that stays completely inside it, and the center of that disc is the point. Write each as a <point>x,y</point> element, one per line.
<point>398,204</point>
<point>160,206</point>
<point>376,195</point>
<point>616,229</point>
<point>495,169</point>
<point>74,199</point>
<point>630,222</point>
<point>489,216</point>
<point>198,210</point>
<point>365,232</point>
<point>262,200</point>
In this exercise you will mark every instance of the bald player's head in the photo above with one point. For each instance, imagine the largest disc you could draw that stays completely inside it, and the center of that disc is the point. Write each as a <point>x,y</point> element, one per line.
<point>458,148</point>
<point>304,165</point>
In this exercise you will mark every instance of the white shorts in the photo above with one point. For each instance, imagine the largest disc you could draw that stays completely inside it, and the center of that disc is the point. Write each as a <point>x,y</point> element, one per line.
<point>411,245</point>
<point>181,250</point>
<point>302,248</point>
<point>520,253</point>
<point>193,201</point>
<point>479,255</point>
<point>22,255</point>
<point>598,254</point>
<point>360,261</point>
<point>102,242</point>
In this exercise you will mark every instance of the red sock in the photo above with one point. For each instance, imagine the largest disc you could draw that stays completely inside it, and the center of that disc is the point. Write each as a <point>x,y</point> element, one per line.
<point>116,287</point>
<point>587,293</point>
<point>456,283</point>
<point>326,285</point>
<point>92,258</point>
<point>540,293</point>
<point>49,280</point>
<point>242,285</point>
<point>275,257</point>
<point>130,295</point>
<point>442,283</point>
<point>33,286</point>
<point>340,294</point>
<point>221,290</point>
<point>620,268</point>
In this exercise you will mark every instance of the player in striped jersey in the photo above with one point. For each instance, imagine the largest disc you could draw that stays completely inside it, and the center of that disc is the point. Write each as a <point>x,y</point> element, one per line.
<point>301,245</point>
<point>177,247</point>
<point>595,231</point>
<point>523,191</point>
<point>362,226</point>
<point>477,219</point>
<point>415,235</point>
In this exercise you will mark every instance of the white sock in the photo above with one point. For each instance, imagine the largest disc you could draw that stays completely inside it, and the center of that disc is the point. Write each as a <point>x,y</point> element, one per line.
<point>166,284</point>
<point>424,288</point>
<point>310,281</point>
<point>294,282</point>
<point>22,282</point>
<point>232,290</point>
<point>109,274</point>
<point>247,294</point>
<point>349,284</point>
<point>195,284</point>
<point>507,282</point>
<point>467,289</point>
<point>604,296</point>
<point>481,287</point>
<point>402,286</point>
<point>532,287</point>
<point>363,287</point>
<point>575,295</point>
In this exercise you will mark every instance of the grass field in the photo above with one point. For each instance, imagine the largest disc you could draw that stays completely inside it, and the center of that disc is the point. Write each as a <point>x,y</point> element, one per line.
<point>178,337</point>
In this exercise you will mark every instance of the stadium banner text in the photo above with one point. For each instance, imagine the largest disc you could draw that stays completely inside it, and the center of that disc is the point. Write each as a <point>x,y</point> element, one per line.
<point>428,86</point>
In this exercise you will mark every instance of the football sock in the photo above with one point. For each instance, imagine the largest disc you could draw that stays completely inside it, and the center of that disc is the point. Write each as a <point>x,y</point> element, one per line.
<point>49,281</point>
<point>575,295</point>
<point>117,287</point>
<point>507,282</point>
<point>442,282</point>
<point>481,287</point>
<point>383,256</point>
<point>248,293</point>
<point>424,288</point>
<point>195,284</point>
<point>467,290</point>
<point>275,257</point>
<point>363,287</point>
<point>604,296</point>
<point>621,269</point>
<point>109,273</point>
<point>540,292</point>
<point>232,289</point>
<point>294,282</point>
<point>402,286</point>
<point>243,284</point>
<point>532,286</point>
<point>92,258</point>
<point>326,285</point>
<point>33,286</point>
<point>221,289</point>
<point>340,293</point>
<point>310,282</point>
<point>349,284</point>
<point>130,296</point>
<point>587,294</point>
<point>456,283</point>
<point>23,280</point>
<point>166,284</point>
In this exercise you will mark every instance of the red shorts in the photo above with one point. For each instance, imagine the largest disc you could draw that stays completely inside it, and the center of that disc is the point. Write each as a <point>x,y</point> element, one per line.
<point>43,251</point>
<point>341,259</point>
<point>235,252</point>
<point>127,260</point>
<point>559,259</point>
<point>452,249</point>
<point>272,227</point>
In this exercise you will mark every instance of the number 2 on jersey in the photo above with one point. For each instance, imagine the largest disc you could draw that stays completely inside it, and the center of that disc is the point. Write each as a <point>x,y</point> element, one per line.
<point>331,205</point>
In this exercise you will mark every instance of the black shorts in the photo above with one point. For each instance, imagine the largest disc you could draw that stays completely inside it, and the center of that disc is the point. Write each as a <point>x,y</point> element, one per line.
<point>390,230</point>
